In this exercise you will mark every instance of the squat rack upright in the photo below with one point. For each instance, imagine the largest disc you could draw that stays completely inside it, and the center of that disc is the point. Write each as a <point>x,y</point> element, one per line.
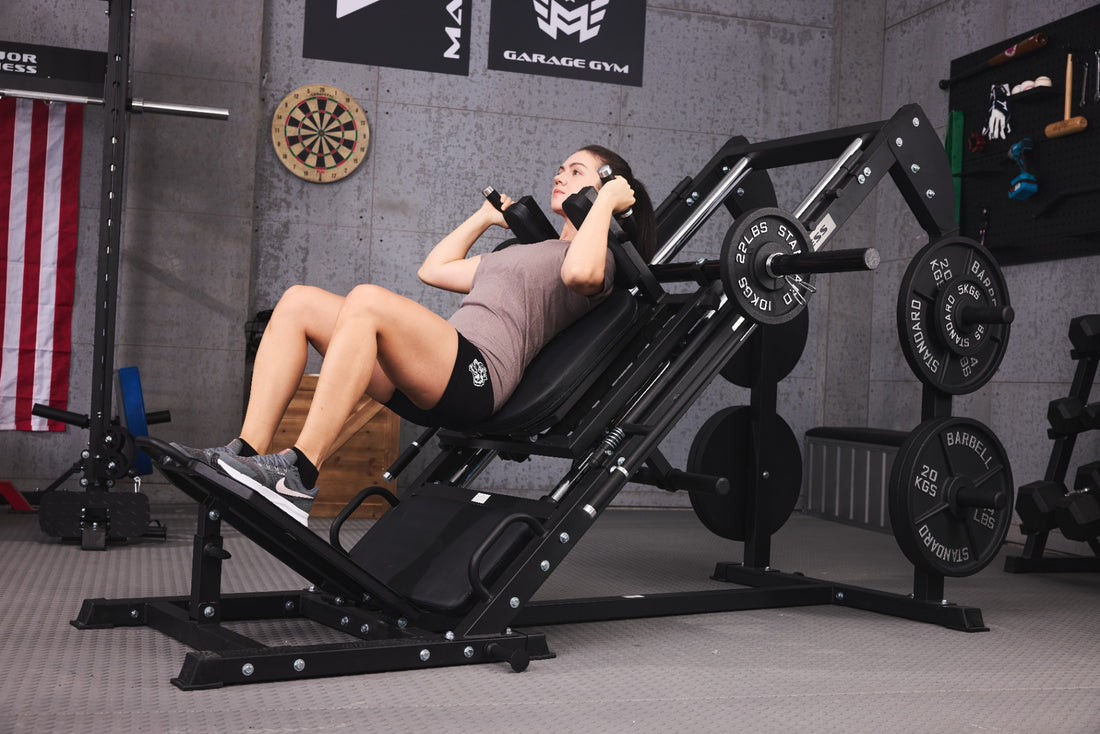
<point>110,452</point>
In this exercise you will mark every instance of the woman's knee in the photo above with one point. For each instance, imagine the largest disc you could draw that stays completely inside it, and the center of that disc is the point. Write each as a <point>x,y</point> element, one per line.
<point>366,300</point>
<point>298,301</point>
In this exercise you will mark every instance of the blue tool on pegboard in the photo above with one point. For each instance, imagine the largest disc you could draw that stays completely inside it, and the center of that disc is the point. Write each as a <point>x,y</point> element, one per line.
<point>1025,185</point>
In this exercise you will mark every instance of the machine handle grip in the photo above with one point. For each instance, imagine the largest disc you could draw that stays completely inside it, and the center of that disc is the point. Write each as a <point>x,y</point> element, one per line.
<point>352,506</point>
<point>474,570</point>
<point>626,219</point>
<point>410,453</point>
<point>494,198</point>
<point>837,261</point>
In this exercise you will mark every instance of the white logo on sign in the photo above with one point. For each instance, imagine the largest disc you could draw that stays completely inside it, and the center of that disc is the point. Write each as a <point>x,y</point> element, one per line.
<point>453,7</point>
<point>584,19</point>
<point>479,373</point>
<point>345,7</point>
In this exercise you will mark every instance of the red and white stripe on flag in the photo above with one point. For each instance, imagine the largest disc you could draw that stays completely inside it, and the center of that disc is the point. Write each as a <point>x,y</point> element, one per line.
<point>39,215</point>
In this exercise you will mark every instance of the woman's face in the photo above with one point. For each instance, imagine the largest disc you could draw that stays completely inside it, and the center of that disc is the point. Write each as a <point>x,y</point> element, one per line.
<point>578,171</point>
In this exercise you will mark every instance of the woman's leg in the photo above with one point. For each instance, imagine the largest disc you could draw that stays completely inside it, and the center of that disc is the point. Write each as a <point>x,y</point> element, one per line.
<point>379,340</point>
<point>304,316</point>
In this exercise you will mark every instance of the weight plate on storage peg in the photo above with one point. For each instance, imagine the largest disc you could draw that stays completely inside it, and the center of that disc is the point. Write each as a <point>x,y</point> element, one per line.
<point>724,447</point>
<point>953,315</point>
<point>785,343</point>
<point>754,238</point>
<point>950,496</point>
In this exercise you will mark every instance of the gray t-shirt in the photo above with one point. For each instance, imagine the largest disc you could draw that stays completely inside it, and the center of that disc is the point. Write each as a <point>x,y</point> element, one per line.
<point>518,303</point>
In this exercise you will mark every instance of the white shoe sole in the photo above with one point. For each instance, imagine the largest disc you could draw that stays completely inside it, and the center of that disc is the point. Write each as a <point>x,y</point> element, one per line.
<point>275,498</point>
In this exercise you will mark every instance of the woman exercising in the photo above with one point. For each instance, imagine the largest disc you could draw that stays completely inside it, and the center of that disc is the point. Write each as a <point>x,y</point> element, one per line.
<point>454,372</point>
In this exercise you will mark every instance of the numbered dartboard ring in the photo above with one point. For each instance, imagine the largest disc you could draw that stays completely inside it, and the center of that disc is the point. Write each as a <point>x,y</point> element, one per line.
<point>320,133</point>
<point>953,315</point>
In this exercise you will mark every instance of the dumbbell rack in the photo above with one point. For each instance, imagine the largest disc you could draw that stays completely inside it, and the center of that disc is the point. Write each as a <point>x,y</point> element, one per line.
<point>1032,560</point>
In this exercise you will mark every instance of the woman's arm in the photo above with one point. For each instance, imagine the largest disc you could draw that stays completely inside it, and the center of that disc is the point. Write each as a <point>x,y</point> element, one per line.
<point>447,266</point>
<point>583,268</point>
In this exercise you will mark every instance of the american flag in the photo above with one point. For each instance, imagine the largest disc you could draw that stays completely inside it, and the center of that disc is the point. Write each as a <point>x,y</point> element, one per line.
<point>39,213</point>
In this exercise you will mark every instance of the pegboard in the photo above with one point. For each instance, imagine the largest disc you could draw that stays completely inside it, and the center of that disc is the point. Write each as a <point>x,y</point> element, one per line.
<point>1062,218</point>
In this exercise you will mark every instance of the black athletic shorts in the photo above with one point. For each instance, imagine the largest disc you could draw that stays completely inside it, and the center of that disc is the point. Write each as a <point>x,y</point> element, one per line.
<point>467,400</point>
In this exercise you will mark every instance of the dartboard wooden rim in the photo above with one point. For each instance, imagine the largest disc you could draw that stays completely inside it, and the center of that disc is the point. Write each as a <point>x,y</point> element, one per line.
<point>336,133</point>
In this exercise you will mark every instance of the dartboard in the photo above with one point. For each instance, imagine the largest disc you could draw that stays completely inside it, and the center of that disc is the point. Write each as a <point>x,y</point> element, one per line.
<point>320,133</point>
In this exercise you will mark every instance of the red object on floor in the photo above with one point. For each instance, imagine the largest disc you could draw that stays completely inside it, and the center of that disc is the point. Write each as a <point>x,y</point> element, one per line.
<point>17,501</point>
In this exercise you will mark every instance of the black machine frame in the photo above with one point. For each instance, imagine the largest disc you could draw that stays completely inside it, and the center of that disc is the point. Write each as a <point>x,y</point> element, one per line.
<point>609,428</point>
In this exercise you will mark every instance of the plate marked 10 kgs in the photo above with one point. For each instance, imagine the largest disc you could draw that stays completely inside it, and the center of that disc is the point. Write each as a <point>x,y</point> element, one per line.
<point>951,496</point>
<point>953,315</point>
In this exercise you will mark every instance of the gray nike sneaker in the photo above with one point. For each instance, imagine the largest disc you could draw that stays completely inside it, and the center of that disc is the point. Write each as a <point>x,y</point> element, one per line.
<point>210,456</point>
<point>276,478</point>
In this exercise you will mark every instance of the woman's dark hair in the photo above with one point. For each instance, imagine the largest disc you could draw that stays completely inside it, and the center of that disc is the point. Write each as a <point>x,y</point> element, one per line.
<point>643,206</point>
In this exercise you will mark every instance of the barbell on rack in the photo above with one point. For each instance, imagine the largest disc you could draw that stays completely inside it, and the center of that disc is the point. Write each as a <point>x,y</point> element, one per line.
<point>135,105</point>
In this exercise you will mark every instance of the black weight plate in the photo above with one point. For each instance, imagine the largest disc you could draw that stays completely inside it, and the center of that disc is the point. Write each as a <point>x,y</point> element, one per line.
<point>942,278</point>
<point>785,344</point>
<point>942,463</point>
<point>762,298</point>
<point>723,447</point>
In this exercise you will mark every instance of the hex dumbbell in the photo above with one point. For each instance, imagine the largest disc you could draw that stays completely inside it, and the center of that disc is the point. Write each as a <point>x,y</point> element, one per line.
<point>1035,504</point>
<point>1069,416</point>
<point>1084,335</point>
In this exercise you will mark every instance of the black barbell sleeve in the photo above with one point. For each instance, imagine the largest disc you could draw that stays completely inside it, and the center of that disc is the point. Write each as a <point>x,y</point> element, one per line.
<point>986,315</point>
<point>57,414</point>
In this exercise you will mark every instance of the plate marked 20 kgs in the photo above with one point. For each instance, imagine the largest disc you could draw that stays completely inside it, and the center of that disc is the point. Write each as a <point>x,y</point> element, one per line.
<point>951,496</point>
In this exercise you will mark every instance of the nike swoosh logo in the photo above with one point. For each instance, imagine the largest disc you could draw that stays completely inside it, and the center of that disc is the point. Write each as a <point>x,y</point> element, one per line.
<point>281,488</point>
<point>346,7</point>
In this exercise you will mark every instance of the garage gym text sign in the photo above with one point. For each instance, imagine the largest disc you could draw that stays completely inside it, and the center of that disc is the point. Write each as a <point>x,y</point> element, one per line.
<point>595,40</point>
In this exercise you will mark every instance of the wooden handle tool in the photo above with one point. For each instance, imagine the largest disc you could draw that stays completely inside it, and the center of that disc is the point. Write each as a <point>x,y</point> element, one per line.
<point>1067,125</point>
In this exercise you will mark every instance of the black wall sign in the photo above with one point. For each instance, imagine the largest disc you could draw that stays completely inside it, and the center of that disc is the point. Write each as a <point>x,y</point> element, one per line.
<point>425,35</point>
<point>52,69</point>
<point>596,40</point>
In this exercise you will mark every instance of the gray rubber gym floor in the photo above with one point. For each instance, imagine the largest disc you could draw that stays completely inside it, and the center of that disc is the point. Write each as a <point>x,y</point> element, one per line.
<point>807,669</point>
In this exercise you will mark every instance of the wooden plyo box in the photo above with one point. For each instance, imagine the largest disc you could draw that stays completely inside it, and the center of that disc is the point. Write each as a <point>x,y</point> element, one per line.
<point>366,447</point>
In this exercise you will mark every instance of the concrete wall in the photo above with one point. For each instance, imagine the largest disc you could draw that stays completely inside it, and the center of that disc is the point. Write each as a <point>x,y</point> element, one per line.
<point>216,228</point>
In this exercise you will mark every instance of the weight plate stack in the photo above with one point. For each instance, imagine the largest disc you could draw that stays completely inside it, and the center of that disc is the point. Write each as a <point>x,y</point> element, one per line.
<point>725,447</point>
<point>953,315</point>
<point>950,496</point>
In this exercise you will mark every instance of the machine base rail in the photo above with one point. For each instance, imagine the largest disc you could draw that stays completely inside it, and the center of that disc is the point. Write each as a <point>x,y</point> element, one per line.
<point>767,589</point>
<point>223,657</point>
<point>1052,564</point>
